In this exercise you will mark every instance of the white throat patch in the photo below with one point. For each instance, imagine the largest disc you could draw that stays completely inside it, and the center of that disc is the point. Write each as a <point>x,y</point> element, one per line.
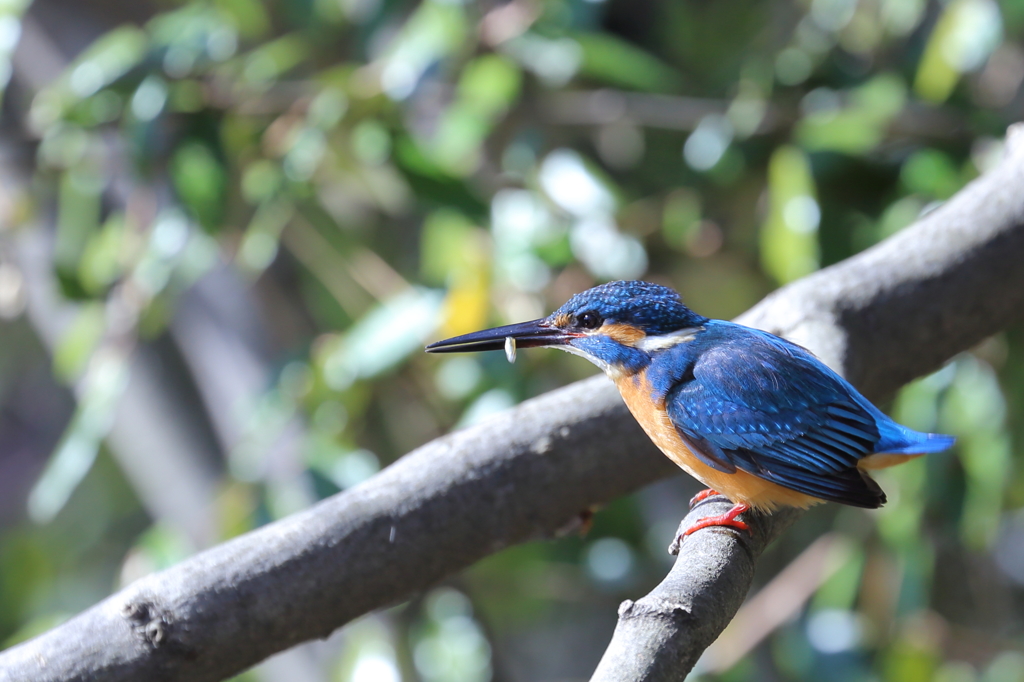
<point>653,343</point>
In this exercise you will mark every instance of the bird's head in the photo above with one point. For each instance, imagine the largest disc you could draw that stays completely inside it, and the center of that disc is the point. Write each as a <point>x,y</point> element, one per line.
<point>617,326</point>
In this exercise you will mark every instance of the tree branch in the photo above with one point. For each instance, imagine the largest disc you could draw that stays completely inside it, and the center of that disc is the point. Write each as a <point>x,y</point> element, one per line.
<point>661,636</point>
<point>894,312</point>
<point>673,112</point>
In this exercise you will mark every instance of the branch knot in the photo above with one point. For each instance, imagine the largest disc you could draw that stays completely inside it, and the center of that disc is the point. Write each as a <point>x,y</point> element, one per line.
<point>146,621</point>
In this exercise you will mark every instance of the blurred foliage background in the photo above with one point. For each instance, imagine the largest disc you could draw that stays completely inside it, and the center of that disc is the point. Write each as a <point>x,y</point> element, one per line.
<point>227,228</point>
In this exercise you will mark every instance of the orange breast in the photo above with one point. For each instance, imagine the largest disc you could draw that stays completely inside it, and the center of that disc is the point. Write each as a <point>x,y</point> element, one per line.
<point>738,487</point>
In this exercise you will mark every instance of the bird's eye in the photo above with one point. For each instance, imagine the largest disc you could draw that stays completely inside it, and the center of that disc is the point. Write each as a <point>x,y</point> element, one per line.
<point>588,320</point>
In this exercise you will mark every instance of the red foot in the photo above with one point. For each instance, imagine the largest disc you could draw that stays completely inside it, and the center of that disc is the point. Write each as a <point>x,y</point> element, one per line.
<point>701,496</point>
<point>726,519</point>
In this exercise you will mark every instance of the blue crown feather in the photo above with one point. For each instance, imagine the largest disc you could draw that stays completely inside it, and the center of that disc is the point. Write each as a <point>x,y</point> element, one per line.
<point>653,308</point>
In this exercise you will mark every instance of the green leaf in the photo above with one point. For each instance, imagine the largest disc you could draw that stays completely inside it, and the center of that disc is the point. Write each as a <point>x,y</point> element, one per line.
<point>489,84</point>
<point>681,217</point>
<point>859,126</point>
<point>78,341</point>
<point>932,173</point>
<point>962,39</point>
<point>109,58</point>
<point>617,62</point>
<point>101,391</point>
<point>78,218</point>
<point>102,261</point>
<point>442,250</point>
<point>384,337</point>
<point>249,16</point>
<point>200,181</point>
<point>270,61</point>
<point>789,238</point>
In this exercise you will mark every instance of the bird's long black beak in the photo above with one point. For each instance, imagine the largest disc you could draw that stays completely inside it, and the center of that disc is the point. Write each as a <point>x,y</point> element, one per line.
<point>527,335</point>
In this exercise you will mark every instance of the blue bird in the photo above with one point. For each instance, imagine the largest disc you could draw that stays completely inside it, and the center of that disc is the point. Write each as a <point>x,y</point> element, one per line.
<point>754,417</point>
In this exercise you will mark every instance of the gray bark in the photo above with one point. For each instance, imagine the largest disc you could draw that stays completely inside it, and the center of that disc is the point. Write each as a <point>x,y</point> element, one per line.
<point>661,636</point>
<point>894,312</point>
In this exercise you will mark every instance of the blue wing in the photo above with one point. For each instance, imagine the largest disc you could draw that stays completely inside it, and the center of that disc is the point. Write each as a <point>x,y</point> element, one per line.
<point>748,400</point>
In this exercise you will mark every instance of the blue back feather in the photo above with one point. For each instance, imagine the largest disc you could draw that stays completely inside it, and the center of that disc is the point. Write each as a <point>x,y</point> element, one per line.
<point>750,400</point>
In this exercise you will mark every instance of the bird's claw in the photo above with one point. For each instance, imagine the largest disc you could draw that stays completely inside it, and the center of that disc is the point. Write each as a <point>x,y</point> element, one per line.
<point>722,520</point>
<point>701,496</point>
<point>727,519</point>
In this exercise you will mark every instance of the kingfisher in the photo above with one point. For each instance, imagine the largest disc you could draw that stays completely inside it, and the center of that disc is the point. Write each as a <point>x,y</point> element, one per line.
<point>754,417</point>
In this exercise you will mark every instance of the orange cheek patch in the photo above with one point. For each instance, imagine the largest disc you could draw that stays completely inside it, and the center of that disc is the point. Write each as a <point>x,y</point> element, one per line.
<point>625,334</point>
